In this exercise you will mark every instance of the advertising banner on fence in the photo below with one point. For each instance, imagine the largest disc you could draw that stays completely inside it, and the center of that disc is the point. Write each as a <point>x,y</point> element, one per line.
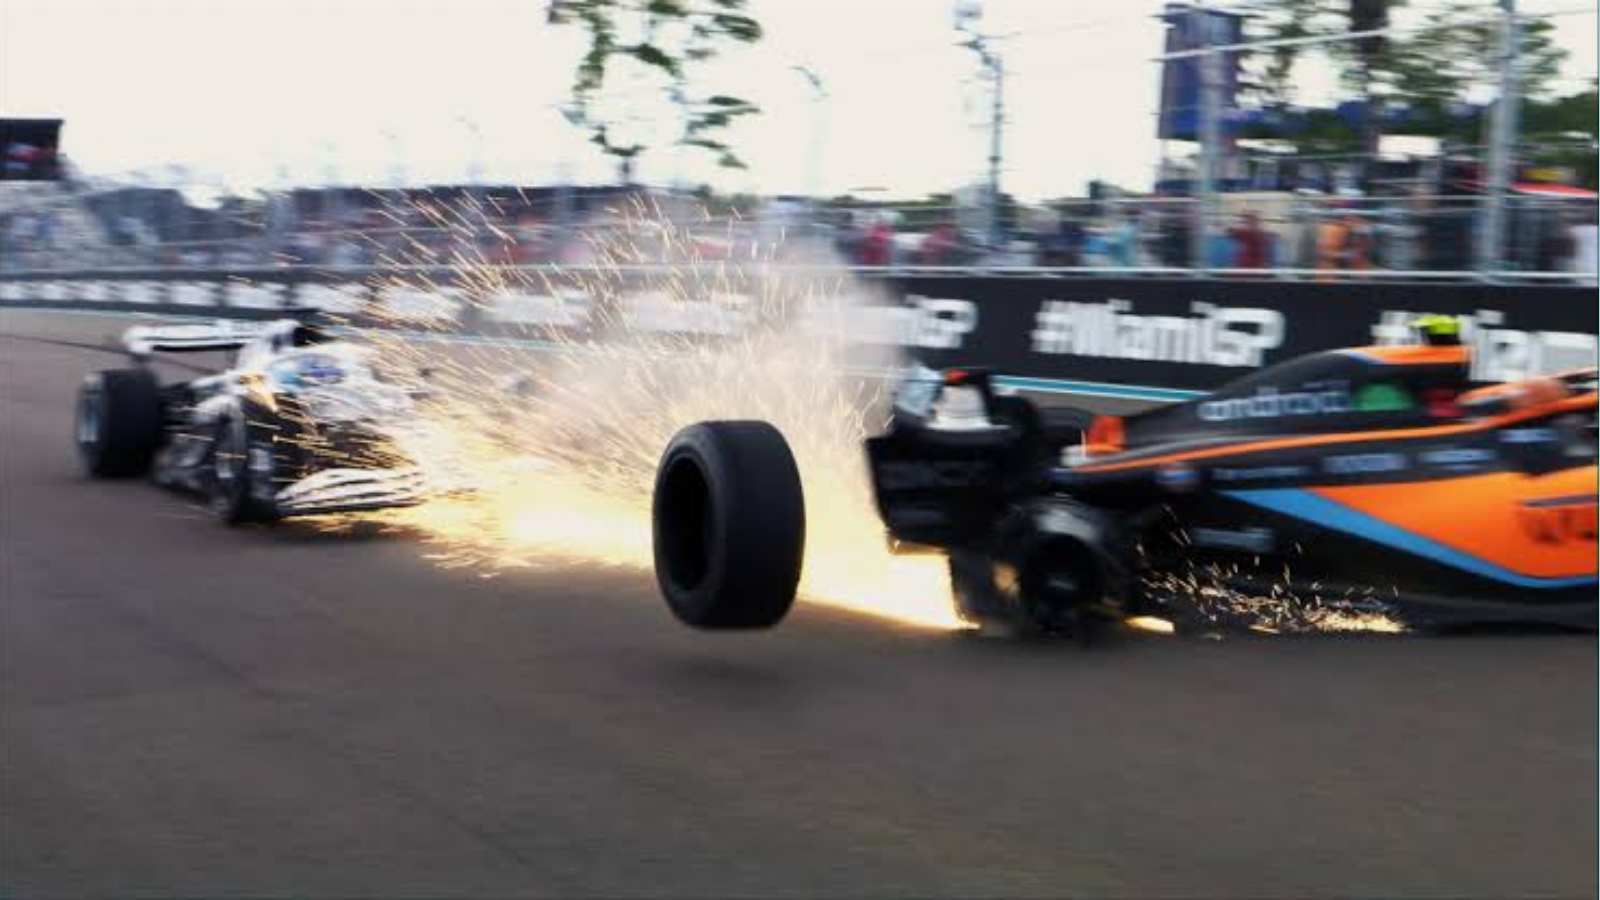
<point>1171,333</point>
<point>1198,334</point>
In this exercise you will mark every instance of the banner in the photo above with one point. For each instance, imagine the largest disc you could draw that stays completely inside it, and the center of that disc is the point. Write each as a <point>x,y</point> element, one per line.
<point>1199,334</point>
<point>1188,334</point>
<point>1181,79</point>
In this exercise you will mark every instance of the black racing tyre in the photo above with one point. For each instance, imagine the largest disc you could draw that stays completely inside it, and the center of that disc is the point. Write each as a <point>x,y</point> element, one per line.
<point>1054,592</point>
<point>229,478</point>
<point>729,523</point>
<point>118,422</point>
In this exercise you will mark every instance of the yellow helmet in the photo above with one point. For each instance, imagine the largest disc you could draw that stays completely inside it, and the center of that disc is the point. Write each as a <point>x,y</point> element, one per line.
<point>1435,329</point>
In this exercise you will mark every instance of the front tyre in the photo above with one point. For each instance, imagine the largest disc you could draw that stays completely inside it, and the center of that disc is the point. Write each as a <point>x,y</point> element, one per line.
<point>729,525</point>
<point>118,422</point>
<point>232,476</point>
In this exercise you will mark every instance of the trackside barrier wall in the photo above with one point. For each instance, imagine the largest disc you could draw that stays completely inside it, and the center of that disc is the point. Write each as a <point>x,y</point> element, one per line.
<point>1175,333</point>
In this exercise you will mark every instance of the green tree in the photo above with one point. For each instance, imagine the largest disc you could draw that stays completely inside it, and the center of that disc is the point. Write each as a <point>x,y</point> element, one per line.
<point>1266,75</point>
<point>1455,52</point>
<point>670,37</point>
<point>1438,64</point>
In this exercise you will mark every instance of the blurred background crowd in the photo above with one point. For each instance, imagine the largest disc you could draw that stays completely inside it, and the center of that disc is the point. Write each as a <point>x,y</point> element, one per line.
<point>1454,139</point>
<point>1415,229</point>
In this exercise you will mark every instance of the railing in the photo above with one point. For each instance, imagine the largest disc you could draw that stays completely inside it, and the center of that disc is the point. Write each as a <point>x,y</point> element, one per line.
<point>512,275</point>
<point>1296,237</point>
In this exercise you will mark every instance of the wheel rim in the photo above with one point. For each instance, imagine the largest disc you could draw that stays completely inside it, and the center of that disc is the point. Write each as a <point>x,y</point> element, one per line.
<point>1056,594</point>
<point>89,420</point>
<point>227,461</point>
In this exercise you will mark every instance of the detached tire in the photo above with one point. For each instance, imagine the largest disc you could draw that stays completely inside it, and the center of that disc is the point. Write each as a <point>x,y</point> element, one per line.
<point>729,525</point>
<point>118,422</point>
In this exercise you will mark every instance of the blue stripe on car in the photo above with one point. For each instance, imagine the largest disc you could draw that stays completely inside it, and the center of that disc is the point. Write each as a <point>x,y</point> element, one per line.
<point>1303,504</point>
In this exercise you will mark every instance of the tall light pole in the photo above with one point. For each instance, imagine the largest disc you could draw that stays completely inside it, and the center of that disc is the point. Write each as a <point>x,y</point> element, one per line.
<point>475,160</point>
<point>397,160</point>
<point>1210,135</point>
<point>967,13</point>
<point>573,114</point>
<point>1502,149</point>
<point>819,96</point>
<point>333,210</point>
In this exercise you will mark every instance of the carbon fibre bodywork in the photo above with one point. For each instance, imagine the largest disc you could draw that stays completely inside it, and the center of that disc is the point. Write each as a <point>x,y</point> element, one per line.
<point>308,426</point>
<point>1377,476</point>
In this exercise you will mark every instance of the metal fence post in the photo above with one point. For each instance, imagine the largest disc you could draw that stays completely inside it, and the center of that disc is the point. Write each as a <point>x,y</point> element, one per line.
<point>1502,150</point>
<point>1210,138</point>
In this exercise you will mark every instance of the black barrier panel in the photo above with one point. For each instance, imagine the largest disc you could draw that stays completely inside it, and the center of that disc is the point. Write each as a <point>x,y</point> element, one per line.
<point>1172,333</point>
<point>1199,334</point>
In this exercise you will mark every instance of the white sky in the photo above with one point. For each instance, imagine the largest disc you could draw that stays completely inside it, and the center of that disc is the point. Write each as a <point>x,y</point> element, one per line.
<point>366,91</point>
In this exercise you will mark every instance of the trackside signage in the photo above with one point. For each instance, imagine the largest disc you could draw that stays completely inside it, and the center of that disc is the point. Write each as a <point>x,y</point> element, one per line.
<point>1210,334</point>
<point>1174,333</point>
<point>1198,334</point>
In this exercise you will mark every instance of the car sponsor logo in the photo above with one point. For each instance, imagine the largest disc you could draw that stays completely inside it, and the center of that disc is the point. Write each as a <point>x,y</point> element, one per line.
<point>1247,540</point>
<point>1178,477</point>
<point>1211,334</point>
<point>933,323</point>
<point>1555,520</point>
<point>1383,396</point>
<point>1457,459</point>
<point>1528,436</point>
<point>1314,400</point>
<point>1364,463</point>
<point>1260,473</point>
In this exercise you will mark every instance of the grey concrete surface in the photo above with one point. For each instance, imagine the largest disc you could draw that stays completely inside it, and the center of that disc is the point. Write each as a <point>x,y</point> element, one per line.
<point>187,709</point>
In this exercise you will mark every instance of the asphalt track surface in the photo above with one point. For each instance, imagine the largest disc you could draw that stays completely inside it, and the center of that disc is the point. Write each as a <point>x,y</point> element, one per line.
<point>193,710</point>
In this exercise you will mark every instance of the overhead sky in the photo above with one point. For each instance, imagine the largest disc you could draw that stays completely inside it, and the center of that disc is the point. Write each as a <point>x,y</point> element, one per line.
<point>251,92</point>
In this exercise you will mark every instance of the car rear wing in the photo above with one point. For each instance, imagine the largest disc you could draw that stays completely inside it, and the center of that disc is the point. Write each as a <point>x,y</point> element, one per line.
<point>223,334</point>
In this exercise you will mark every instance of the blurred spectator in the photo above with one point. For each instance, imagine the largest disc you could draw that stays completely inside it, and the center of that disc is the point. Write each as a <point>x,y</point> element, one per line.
<point>1250,241</point>
<point>1400,239</point>
<point>1221,250</point>
<point>1063,247</point>
<point>1344,243</point>
<point>1359,245</point>
<point>1556,244</point>
<point>1095,248</point>
<point>938,246</point>
<point>1447,236</point>
<point>1173,243</point>
<point>1122,240</point>
<point>877,244</point>
<point>1585,252</point>
<point>348,252</point>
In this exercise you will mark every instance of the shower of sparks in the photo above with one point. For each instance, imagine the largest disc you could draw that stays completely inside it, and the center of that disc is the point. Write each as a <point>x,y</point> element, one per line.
<point>543,448</point>
<point>546,447</point>
<point>1210,596</point>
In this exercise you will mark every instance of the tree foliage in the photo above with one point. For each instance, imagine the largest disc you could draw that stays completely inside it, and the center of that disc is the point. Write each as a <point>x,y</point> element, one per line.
<point>1450,56</point>
<point>670,37</point>
<point>1456,52</point>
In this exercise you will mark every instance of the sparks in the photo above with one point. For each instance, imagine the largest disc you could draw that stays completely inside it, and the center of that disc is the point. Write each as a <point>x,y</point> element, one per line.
<point>547,446</point>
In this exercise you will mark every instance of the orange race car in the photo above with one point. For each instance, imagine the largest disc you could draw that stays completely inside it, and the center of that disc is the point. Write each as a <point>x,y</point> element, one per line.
<point>1372,478</point>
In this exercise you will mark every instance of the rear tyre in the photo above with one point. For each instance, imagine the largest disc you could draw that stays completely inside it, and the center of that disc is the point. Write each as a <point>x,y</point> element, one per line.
<point>118,422</point>
<point>231,476</point>
<point>1057,589</point>
<point>729,525</point>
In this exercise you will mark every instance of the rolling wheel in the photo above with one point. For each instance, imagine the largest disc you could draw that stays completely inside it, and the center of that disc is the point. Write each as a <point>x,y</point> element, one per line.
<point>118,422</point>
<point>1057,591</point>
<point>729,525</point>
